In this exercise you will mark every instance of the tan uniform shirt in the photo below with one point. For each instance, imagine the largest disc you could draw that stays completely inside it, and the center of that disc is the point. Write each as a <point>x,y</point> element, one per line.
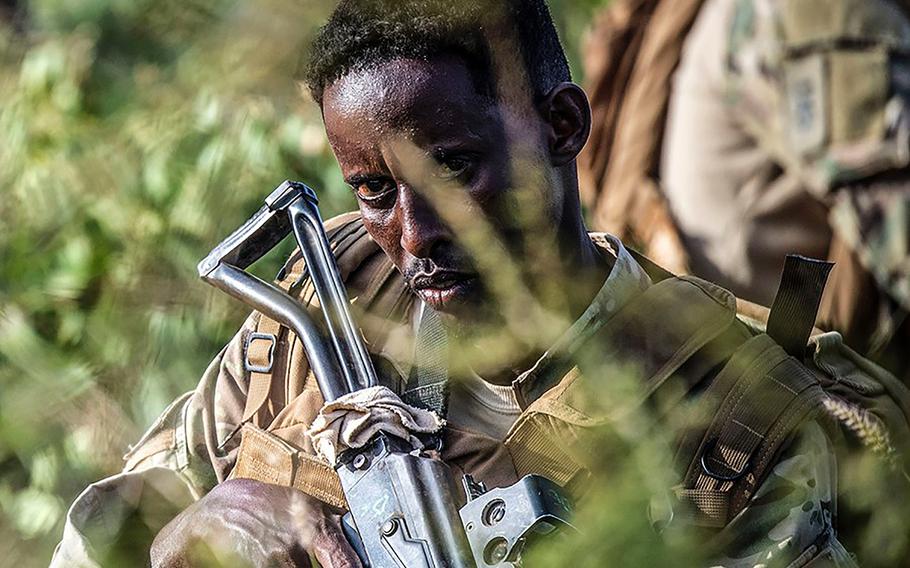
<point>190,449</point>
<point>487,408</point>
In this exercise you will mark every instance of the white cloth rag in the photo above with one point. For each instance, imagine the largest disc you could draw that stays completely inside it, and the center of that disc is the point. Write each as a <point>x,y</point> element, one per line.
<point>352,420</point>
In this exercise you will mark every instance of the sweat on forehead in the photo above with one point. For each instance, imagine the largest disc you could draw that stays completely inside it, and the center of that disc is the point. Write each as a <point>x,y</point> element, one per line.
<point>404,94</point>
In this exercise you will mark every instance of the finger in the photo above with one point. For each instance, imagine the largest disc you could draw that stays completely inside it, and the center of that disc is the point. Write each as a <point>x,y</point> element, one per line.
<point>331,547</point>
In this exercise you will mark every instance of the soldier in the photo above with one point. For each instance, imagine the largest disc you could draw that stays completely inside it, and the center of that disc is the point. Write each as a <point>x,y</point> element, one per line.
<point>785,131</point>
<point>463,165</point>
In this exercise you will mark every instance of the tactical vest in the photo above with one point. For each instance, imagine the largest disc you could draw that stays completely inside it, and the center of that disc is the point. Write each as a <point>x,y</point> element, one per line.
<point>757,392</point>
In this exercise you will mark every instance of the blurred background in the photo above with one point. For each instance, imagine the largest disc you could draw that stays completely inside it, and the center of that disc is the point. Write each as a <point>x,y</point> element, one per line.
<point>134,136</point>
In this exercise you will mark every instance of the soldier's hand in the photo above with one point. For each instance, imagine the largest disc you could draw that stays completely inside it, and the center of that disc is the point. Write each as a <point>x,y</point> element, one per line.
<point>244,522</point>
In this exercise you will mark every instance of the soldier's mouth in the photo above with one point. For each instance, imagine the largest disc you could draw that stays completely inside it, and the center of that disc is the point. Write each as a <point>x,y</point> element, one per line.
<point>443,290</point>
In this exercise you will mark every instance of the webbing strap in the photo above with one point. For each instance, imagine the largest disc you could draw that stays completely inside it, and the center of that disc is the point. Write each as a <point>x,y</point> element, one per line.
<point>262,352</point>
<point>702,507</point>
<point>765,394</point>
<point>428,385</point>
<point>259,360</point>
<point>796,304</point>
<point>265,457</point>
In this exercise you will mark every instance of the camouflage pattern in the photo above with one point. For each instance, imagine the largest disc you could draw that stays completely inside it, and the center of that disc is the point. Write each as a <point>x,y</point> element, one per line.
<point>791,517</point>
<point>789,132</point>
<point>876,223</point>
<point>824,87</point>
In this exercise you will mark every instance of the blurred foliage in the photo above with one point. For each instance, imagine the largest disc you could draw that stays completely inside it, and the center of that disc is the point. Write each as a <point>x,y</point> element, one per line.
<point>134,135</point>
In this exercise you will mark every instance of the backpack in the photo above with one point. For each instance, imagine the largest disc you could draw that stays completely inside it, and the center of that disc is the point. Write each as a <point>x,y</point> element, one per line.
<point>788,373</point>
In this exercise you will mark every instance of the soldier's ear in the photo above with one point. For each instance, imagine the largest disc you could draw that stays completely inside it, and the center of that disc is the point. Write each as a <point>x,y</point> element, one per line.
<point>567,115</point>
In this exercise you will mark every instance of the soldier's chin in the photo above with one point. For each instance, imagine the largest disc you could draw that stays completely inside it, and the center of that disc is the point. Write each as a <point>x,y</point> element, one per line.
<point>472,320</point>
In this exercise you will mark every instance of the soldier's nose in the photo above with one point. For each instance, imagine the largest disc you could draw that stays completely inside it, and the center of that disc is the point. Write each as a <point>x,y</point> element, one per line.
<point>422,229</point>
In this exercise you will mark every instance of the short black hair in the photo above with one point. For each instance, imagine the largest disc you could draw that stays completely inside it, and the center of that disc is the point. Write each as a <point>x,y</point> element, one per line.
<point>361,33</point>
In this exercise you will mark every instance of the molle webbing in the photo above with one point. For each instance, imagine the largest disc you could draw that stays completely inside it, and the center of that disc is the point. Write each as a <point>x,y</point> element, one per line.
<point>761,397</point>
<point>267,458</point>
<point>740,440</point>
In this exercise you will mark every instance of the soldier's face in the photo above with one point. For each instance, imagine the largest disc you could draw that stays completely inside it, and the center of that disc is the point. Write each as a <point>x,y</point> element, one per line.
<point>433,164</point>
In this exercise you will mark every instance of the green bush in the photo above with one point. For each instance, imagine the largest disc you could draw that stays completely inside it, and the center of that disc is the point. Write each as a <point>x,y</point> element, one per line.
<point>134,135</point>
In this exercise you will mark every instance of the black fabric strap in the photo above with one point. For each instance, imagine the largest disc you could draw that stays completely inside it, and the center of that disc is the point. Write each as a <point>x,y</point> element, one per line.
<point>796,304</point>
<point>428,385</point>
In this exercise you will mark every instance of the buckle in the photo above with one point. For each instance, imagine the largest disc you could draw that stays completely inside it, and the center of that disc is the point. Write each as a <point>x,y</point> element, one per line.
<point>267,366</point>
<point>708,449</point>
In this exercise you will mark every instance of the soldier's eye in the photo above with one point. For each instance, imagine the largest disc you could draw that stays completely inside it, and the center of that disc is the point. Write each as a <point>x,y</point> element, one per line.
<point>371,189</point>
<point>452,167</point>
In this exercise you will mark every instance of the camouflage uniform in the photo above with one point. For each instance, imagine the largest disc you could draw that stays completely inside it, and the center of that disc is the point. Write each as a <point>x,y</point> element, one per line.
<point>787,132</point>
<point>194,445</point>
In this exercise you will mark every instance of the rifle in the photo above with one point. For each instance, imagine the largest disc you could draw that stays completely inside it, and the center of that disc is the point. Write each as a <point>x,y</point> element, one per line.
<point>403,511</point>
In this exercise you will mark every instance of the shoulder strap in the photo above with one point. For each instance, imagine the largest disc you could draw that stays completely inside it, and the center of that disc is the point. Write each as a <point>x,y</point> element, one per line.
<point>428,384</point>
<point>259,360</point>
<point>759,398</point>
<point>757,401</point>
<point>260,354</point>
